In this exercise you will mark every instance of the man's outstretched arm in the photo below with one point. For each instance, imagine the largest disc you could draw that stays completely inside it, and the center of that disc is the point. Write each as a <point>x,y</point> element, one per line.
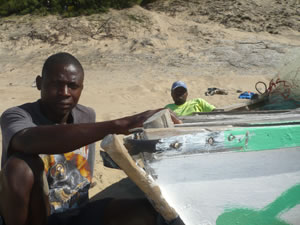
<point>58,139</point>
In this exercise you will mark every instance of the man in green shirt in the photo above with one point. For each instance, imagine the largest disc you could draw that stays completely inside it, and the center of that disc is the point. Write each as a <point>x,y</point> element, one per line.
<point>181,106</point>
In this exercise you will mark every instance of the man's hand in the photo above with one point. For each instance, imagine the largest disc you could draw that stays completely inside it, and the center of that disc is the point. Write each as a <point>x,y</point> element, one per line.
<point>136,120</point>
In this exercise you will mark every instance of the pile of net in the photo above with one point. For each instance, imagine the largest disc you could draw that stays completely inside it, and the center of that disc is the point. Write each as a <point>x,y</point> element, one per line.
<point>283,91</point>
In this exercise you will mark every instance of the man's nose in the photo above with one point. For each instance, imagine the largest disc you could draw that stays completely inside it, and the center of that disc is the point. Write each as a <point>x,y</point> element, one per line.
<point>64,90</point>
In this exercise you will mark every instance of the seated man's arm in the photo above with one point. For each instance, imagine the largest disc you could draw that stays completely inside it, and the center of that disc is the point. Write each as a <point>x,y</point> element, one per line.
<point>58,139</point>
<point>206,107</point>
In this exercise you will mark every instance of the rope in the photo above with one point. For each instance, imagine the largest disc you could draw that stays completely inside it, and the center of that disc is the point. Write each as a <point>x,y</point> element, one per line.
<point>263,83</point>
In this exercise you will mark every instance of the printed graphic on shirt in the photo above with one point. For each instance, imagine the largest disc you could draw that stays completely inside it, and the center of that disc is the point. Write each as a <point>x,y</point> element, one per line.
<point>69,178</point>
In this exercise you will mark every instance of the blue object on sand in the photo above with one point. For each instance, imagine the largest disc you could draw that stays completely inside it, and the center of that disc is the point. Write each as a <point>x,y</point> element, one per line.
<point>247,95</point>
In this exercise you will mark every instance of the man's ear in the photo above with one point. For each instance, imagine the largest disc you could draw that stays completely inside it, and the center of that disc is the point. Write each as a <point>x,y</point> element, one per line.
<point>38,81</point>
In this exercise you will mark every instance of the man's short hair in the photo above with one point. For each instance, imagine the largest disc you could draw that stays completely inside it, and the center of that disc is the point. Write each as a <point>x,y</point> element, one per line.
<point>60,58</point>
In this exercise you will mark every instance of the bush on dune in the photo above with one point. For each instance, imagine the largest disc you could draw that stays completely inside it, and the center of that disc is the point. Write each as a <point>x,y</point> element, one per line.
<point>63,7</point>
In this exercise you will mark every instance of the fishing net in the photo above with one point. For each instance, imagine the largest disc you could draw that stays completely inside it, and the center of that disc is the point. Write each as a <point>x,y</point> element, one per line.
<point>284,89</point>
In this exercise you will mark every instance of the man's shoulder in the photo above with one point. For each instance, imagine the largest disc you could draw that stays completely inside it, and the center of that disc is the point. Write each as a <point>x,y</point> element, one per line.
<point>171,106</point>
<point>197,100</point>
<point>84,109</point>
<point>84,113</point>
<point>21,109</point>
<point>206,106</point>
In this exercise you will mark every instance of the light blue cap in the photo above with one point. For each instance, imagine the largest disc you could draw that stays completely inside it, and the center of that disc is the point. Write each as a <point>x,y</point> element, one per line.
<point>177,84</point>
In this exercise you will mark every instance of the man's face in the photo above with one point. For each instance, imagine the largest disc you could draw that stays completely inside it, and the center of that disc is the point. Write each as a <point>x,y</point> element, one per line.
<point>60,88</point>
<point>179,95</point>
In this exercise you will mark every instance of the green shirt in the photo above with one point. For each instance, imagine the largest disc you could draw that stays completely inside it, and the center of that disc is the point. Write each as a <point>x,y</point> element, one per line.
<point>190,107</point>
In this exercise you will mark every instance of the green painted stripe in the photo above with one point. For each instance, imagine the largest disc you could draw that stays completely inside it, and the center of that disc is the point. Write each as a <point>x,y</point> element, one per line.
<point>266,216</point>
<point>262,138</point>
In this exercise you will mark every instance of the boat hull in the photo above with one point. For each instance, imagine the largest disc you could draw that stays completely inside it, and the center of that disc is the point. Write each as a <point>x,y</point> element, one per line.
<point>232,188</point>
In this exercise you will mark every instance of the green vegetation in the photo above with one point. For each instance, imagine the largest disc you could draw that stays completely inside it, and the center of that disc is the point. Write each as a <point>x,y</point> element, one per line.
<point>64,7</point>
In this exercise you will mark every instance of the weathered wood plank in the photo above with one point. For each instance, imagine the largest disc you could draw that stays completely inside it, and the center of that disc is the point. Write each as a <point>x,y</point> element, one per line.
<point>240,118</point>
<point>159,119</point>
<point>113,145</point>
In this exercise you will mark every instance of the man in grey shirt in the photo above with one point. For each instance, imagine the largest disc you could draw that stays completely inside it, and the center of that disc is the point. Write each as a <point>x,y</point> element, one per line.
<point>48,154</point>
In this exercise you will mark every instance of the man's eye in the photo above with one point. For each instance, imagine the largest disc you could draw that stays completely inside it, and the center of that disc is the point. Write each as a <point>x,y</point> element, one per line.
<point>73,86</point>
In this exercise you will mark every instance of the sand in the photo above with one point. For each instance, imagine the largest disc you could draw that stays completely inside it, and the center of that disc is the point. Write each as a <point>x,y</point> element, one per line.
<point>131,57</point>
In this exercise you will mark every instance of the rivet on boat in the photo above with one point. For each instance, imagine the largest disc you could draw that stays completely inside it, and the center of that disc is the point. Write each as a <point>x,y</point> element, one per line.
<point>231,137</point>
<point>175,145</point>
<point>210,140</point>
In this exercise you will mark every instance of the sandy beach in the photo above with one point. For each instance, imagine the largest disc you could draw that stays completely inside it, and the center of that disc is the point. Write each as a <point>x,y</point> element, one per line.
<point>132,56</point>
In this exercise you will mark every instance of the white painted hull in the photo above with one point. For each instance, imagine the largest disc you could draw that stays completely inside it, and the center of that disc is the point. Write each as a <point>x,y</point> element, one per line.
<point>202,187</point>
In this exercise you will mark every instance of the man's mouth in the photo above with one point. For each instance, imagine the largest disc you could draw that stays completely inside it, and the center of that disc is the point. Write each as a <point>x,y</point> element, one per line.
<point>63,105</point>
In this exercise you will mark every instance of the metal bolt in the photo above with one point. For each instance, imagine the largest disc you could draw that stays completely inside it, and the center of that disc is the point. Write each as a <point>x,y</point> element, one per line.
<point>210,140</point>
<point>175,145</point>
<point>231,137</point>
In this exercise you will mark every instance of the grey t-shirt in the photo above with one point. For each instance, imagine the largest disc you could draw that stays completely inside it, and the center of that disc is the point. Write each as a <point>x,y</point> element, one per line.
<point>69,175</point>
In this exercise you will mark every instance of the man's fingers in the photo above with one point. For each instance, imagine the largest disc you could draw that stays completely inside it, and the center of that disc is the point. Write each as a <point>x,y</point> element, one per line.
<point>138,119</point>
